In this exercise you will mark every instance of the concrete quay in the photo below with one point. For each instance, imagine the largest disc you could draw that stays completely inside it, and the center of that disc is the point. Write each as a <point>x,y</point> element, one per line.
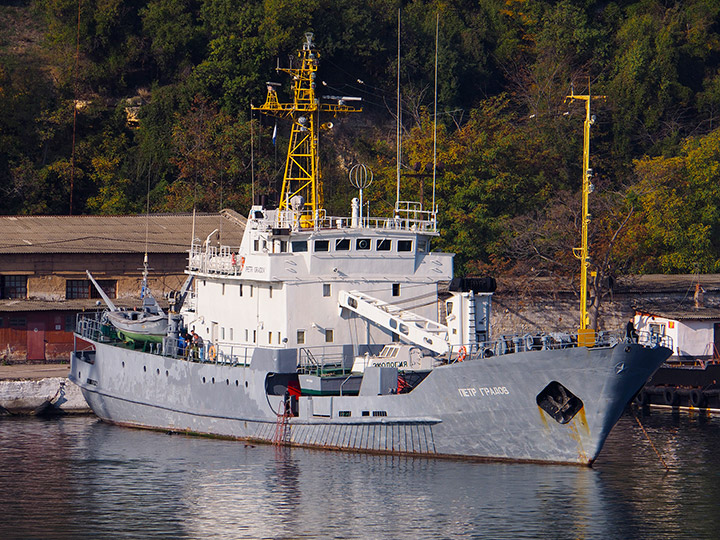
<point>39,389</point>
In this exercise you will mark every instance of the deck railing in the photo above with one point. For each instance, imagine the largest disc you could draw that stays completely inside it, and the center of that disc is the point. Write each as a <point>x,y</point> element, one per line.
<point>327,359</point>
<point>544,342</point>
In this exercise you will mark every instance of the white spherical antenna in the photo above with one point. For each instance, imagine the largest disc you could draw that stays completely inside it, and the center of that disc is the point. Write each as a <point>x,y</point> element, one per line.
<point>361,176</point>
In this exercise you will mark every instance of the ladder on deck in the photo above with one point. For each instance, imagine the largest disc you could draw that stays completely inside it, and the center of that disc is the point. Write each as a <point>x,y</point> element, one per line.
<point>408,325</point>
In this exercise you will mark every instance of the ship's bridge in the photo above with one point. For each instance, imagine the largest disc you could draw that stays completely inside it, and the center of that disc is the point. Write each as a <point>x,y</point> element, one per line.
<point>288,246</point>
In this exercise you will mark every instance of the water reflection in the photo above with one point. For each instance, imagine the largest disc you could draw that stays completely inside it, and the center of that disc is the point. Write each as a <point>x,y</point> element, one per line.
<point>79,478</point>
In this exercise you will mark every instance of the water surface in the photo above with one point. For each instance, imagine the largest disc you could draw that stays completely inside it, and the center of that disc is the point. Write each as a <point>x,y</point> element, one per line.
<point>76,477</point>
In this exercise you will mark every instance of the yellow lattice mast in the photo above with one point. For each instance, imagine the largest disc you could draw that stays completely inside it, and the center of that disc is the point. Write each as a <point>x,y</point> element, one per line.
<point>302,170</point>
<point>586,337</point>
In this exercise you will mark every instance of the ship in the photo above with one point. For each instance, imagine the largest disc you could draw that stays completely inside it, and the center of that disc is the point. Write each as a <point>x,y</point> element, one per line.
<point>351,333</point>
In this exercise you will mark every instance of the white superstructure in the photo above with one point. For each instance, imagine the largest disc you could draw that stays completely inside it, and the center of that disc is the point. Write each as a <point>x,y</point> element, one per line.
<point>280,287</point>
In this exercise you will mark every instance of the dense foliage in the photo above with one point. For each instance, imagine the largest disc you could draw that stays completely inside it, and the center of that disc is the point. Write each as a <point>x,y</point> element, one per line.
<point>509,143</point>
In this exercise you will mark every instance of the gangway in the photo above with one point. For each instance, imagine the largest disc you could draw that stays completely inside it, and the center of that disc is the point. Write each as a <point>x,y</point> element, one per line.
<point>408,325</point>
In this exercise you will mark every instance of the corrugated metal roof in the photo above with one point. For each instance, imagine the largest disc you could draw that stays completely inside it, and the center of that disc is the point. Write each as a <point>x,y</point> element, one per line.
<point>166,233</point>
<point>683,312</point>
<point>87,304</point>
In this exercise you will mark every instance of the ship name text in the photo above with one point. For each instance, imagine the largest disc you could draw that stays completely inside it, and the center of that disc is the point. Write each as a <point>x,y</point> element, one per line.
<point>484,391</point>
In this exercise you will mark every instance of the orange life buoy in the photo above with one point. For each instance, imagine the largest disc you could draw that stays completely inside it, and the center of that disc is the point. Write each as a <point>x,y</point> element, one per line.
<point>212,353</point>
<point>462,354</point>
<point>242,263</point>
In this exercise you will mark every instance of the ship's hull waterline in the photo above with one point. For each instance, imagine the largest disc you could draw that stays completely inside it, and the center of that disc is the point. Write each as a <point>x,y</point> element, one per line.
<point>482,409</point>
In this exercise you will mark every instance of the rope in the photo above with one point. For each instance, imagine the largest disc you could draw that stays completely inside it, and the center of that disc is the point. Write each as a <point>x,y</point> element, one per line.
<point>667,469</point>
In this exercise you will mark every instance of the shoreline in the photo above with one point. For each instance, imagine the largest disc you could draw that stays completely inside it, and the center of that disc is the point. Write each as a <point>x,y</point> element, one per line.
<point>40,389</point>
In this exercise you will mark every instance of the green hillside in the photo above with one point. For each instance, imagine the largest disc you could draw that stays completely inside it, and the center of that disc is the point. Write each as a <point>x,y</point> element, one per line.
<point>161,99</point>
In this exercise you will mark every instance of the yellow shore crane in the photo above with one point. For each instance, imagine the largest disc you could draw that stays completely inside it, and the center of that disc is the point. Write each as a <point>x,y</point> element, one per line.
<point>301,188</point>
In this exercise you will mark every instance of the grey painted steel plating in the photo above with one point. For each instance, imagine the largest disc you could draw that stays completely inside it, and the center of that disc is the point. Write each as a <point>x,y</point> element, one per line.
<point>479,409</point>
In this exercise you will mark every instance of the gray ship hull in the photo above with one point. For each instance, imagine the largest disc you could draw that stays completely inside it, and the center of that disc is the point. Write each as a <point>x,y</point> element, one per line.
<point>486,408</point>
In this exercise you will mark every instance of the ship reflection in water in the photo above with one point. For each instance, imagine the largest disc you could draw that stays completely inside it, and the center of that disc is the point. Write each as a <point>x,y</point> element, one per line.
<point>76,477</point>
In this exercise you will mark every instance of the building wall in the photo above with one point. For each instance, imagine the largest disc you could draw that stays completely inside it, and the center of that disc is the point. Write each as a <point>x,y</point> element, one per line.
<point>528,312</point>
<point>47,335</point>
<point>47,274</point>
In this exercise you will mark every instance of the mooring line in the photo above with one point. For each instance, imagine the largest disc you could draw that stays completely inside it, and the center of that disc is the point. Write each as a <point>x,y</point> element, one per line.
<point>667,469</point>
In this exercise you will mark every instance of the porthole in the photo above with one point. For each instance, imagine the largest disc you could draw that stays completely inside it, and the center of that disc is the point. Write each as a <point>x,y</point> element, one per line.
<point>157,371</point>
<point>236,383</point>
<point>166,373</point>
<point>144,368</point>
<point>227,382</point>
<point>203,380</point>
<point>245,384</point>
<point>123,364</point>
<point>213,380</point>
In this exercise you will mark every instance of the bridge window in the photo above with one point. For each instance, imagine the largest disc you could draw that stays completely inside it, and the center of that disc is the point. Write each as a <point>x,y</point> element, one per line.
<point>299,246</point>
<point>396,289</point>
<point>362,244</point>
<point>404,245</point>
<point>322,245</point>
<point>383,245</point>
<point>342,244</point>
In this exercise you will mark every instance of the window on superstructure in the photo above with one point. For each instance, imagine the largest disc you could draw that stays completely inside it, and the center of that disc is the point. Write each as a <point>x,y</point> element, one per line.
<point>223,289</point>
<point>326,289</point>
<point>383,245</point>
<point>269,338</point>
<point>396,289</point>
<point>283,246</point>
<point>251,290</point>
<point>404,245</point>
<point>256,245</point>
<point>241,289</point>
<point>254,336</point>
<point>270,292</point>
<point>301,337</point>
<point>343,244</point>
<point>222,333</point>
<point>423,246</point>
<point>329,337</point>
<point>322,245</point>
<point>279,338</point>
<point>13,286</point>
<point>299,246</point>
<point>231,334</point>
<point>247,335</point>
<point>362,244</point>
